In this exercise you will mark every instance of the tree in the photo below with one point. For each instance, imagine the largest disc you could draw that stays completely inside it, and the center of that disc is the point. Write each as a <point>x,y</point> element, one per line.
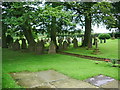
<point>91,13</point>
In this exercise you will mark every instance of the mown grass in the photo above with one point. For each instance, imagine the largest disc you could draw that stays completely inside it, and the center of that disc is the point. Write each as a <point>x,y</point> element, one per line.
<point>78,68</point>
<point>107,50</point>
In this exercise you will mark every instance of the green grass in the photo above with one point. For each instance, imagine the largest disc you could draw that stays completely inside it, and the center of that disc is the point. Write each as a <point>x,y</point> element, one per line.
<point>107,50</point>
<point>78,68</point>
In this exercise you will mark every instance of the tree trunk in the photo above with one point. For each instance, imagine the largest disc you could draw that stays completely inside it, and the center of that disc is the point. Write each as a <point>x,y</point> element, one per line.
<point>104,40</point>
<point>29,36</point>
<point>4,42</point>
<point>100,40</point>
<point>53,31</point>
<point>88,29</point>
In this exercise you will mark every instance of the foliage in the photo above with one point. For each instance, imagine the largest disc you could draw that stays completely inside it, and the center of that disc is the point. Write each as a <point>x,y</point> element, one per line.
<point>104,36</point>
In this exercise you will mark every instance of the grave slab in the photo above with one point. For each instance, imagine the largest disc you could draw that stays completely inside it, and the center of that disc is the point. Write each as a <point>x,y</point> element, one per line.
<point>99,80</point>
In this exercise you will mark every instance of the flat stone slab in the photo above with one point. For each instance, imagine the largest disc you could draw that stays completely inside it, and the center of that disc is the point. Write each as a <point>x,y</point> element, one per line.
<point>36,79</point>
<point>99,80</point>
<point>53,79</point>
<point>112,84</point>
<point>72,83</point>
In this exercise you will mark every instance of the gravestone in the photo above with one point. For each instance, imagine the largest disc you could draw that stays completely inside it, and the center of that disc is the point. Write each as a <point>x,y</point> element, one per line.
<point>75,43</point>
<point>24,45</point>
<point>39,49</point>
<point>31,47</point>
<point>16,45</point>
<point>9,40</point>
<point>96,50</point>
<point>69,41</point>
<point>52,48</point>
<point>65,45</point>
<point>60,44</point>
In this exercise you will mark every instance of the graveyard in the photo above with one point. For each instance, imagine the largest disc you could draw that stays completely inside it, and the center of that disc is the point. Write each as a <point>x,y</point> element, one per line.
<point>43,48</point>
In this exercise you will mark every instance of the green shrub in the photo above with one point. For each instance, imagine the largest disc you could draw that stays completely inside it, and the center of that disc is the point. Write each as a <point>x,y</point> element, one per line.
<point>104,36</point>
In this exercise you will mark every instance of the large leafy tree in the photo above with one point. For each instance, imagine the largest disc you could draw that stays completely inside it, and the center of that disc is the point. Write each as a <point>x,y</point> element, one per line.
<point>25,17</point>
<point>90,13</point>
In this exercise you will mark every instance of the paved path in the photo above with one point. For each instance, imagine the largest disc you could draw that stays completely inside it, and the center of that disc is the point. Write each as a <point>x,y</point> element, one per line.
<point>51,79</point>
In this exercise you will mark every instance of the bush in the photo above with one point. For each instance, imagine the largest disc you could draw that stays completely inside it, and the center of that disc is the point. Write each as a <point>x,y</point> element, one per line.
<point>104,36</point>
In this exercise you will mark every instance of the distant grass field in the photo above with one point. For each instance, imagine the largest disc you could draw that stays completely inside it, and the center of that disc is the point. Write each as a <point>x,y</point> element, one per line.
<point>107,50</point>
<point>78,68</point>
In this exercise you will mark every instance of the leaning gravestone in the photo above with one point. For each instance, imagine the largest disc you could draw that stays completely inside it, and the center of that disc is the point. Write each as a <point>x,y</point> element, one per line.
<point>24,45</point>
<point>60,43</point>
<point>52,48</point>
<point>75,43</point>
<point>16,45</point>
<point>65,45</point>
<point>39,47</point>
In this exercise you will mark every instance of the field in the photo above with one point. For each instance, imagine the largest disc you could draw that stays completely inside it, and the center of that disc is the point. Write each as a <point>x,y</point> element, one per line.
<point>107,50</point>
<point>78,68</point>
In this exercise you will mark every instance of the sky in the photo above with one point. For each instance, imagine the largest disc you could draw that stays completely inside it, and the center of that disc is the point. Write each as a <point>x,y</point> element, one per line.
<point>100,29</point>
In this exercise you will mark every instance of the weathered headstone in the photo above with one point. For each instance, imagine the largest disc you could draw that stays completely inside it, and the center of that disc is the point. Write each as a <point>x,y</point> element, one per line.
<point>52,48</point>
<point>60,47</point>
<point>69,41</point>
<point>23,45</point>
<point>96,50</point>
<point>75,43</point>
<point>39,47</point>
<point>65,45</point>
<point>16,45</point>
<point>31,47</point>
<point>9,40</point>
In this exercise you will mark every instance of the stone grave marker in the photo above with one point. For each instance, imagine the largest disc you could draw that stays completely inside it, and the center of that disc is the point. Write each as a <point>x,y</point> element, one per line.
<point>96,50</point>
<point>65,45</point>
<point>52,48</point>
<point>69,41</point>
<point>24,45</point>
<point>60,44</point>
<point>16,45</point>
<point>75,43</point>
<point>31,47</point>
<point>39,49</point>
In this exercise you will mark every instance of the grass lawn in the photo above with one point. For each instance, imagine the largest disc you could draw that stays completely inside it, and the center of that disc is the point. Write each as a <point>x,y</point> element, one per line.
<point>78,68</point>
<point>108,50</point>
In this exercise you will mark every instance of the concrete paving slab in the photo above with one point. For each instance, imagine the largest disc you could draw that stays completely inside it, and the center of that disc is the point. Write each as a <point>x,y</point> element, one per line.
<point>112,84</point>
<point>46,85</point>
<point>50,75</point>
<point>21,75</point>
<point>53,79</point>
<point>30,82</point>
<point>72,83</point>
